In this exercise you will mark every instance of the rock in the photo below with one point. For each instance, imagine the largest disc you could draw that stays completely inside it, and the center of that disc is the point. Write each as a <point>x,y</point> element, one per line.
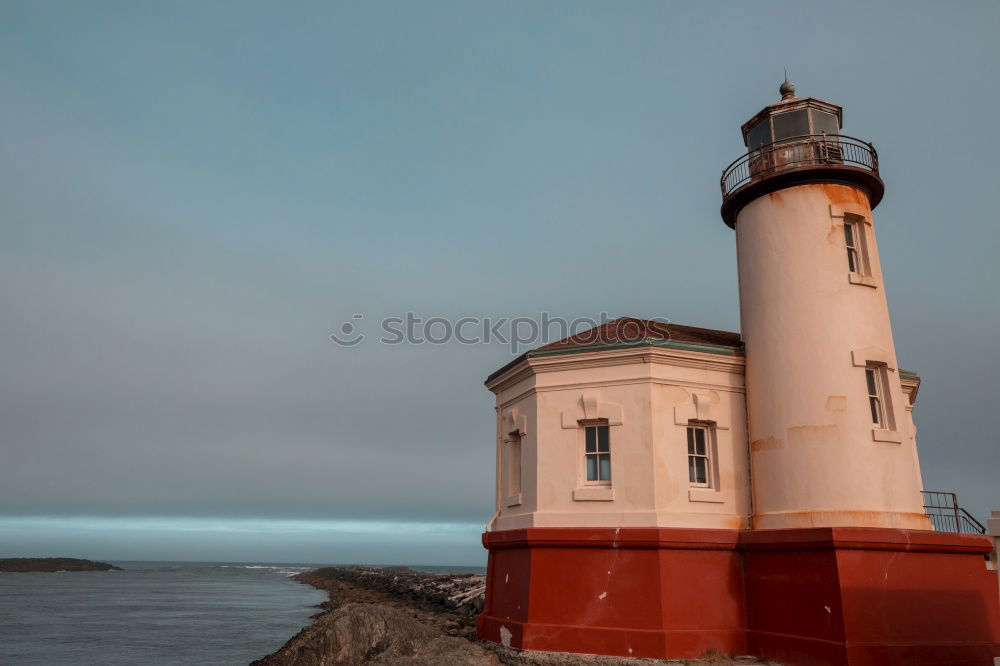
<point>52,564</point>
<point>459,593</point>
<point>359,633</point>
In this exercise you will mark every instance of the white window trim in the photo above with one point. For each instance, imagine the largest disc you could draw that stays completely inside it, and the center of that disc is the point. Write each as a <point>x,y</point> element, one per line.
<point>594,494</point>
<point>709,458</point>
<point>584,455</point>
<point>511,497</point>
<point>591,408</point>
<point>868,357</point>
<point>859,230</point>
<point>702,406</point>
<point>887,430</point>
<point>515,424</point>
<point>711,493</point>
<point>593,491</point>
<point>890,436</point>
<point>863,280</point>
<point>876,396</point>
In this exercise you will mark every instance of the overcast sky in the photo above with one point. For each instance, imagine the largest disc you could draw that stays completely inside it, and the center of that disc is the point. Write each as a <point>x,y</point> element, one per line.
<point>195,195</point>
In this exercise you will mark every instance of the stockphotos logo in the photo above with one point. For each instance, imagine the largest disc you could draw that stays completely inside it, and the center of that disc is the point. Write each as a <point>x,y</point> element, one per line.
<point>517,332</point>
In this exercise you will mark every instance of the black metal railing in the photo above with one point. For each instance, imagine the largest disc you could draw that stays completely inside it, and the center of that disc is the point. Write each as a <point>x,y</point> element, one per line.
<point>809,150</point>
<point>947,516</point>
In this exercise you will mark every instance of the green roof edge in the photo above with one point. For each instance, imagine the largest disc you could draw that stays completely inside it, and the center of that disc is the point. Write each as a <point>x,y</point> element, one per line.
<point>705,347</point>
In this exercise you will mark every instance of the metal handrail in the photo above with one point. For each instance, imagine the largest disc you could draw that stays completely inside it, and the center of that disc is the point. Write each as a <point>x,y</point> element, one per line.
<point>796,152</point>
<point>947,516</point>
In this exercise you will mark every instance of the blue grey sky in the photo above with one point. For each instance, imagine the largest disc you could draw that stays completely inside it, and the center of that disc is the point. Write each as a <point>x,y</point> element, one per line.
<point>195,195</point>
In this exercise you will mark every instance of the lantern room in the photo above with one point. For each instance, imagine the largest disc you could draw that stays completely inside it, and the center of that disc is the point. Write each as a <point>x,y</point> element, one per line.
<point>797,140</point>
<point>791,119</point>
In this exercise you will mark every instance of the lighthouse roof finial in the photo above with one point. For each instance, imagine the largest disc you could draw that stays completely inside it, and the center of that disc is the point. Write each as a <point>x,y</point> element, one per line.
<point>787,88</point>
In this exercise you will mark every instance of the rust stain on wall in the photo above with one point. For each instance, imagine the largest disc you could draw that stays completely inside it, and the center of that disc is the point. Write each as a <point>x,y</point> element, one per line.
<point>844,196</point>
<point>824,435</point>
<point>733,522</point>
<point>835,236</point>
<point>768,444</point>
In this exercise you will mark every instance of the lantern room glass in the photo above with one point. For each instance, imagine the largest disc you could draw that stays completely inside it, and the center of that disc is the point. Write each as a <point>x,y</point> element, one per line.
<point>759,135</point>
<point>779,126</point>
<point>824,123</point>
<point>790,124</point>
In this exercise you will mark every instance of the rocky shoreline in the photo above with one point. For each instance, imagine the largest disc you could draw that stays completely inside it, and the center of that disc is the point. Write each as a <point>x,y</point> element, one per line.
<point>52,565</point>
<point>396,616</point>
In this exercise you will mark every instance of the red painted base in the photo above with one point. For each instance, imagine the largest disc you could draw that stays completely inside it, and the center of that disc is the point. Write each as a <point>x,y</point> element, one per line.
<point>854,596</point>
<point>866,596</point>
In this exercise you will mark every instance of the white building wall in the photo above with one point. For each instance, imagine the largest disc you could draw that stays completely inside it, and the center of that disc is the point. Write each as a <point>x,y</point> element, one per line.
<point>809,328</point>
<point>647,396</point>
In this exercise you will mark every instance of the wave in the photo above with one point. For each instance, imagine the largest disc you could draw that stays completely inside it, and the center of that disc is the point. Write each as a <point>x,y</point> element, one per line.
<point>287,570</point>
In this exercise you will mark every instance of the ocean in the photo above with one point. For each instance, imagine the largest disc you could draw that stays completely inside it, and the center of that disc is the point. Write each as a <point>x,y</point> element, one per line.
<point>152,613</point>
<point>155,613</point>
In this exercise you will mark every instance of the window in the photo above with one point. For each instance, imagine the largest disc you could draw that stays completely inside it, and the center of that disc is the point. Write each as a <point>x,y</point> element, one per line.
<point>824,123</point>
<point>790,124</point>
<point>853,258</point>
<point>597,453</point>
<point>881,389</point>
<point>760,135</point>
<point>876,399</point>
<point>699,456</point>
<point>513,464</point>
<point>856,242</point>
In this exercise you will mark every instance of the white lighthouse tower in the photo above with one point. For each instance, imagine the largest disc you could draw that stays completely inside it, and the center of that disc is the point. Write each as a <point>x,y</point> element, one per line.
<point>831,440</point>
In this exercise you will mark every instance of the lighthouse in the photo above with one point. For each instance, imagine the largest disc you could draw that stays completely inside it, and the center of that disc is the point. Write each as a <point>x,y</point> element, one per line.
<point>673,491</point>
<point>831,440</point>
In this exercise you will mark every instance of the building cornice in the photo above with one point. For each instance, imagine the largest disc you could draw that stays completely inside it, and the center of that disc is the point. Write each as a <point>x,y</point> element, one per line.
<point>666,352</point>
<point>910,381</point>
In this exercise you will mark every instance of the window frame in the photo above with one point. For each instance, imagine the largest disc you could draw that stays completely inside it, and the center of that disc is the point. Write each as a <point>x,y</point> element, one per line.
<point>878,373</point>
<point>862,274</point>
<point>854,264</point>
<point>708,443</point>
<point>876,396</point>
<point>597,453</point>
<point>514,466</point>
<point>811,126</point>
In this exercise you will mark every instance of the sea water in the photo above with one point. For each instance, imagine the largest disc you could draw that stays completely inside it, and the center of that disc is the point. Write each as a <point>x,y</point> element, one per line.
<point>153,613</point>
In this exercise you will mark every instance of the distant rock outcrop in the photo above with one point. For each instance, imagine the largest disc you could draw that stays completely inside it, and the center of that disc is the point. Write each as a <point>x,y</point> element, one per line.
<point>52,564</point>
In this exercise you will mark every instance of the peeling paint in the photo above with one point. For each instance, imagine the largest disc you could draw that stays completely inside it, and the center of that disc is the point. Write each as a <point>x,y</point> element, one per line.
<point>505,636</point>
<point>813,435</point>
<point>602,595</point>
<point>506,579</point>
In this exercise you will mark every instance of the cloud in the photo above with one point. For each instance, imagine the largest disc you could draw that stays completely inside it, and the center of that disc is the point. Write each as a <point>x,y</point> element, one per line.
<point>189,214</point>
